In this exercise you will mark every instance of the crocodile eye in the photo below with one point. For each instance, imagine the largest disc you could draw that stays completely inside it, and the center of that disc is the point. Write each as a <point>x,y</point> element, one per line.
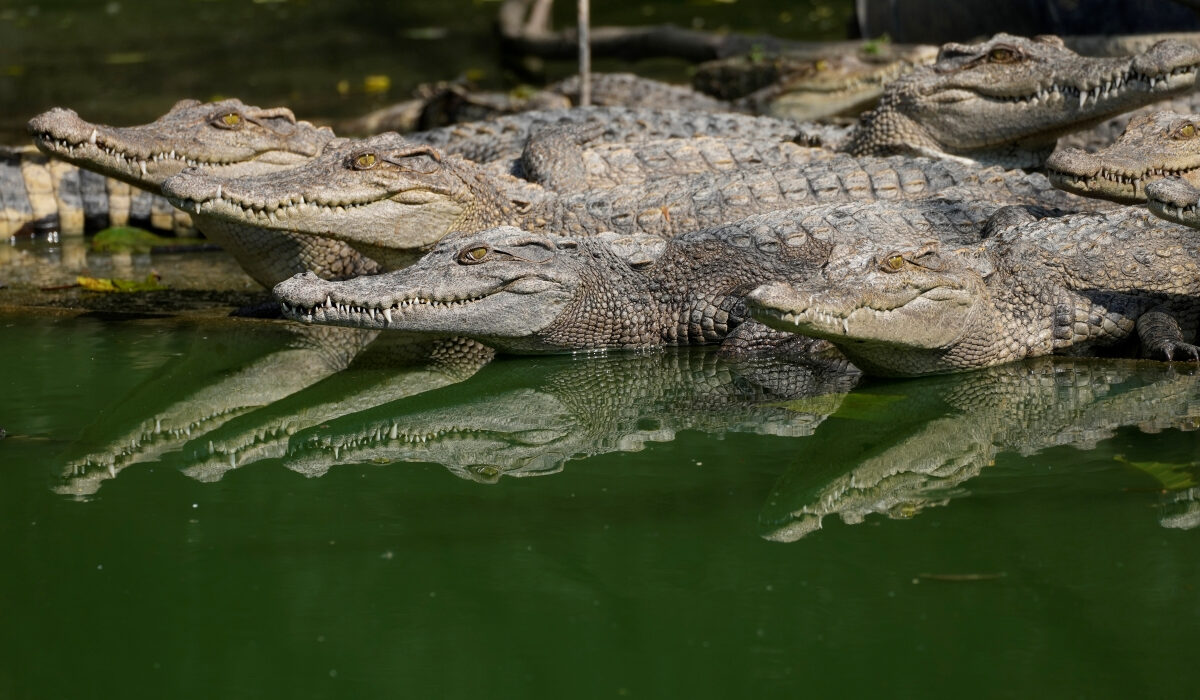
<point>229,120</point>
<point>475,254</point>
<point>1186,131</point>
<point>893,263</point>
<point>1002,54</point>
<point>365,161</point>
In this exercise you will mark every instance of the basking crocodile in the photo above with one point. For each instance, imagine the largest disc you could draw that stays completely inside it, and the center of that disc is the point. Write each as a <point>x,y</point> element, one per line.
<point>446,103</point>
<point>1008,99</point>
<point>536,292</point>
<point>948,429</point>
<point>1175,199</point>
<point>518,421</point>
<point>392,200</point>
<point>1004,101</point>
<point>505,138</point>
<point>898,304</point>
<point>47,195</point>
<point>1154,146</point>
<point>804,86</point>
<point>228,138</point>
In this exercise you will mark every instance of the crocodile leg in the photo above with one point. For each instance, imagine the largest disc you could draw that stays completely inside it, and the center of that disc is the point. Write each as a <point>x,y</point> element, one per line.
<point>1161,335</point>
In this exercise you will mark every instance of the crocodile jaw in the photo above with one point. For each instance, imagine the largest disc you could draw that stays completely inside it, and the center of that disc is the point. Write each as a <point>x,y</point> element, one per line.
<point>898,332</point>
<point>1175,200</point>
<point>487,309</point>
<point>145,155</point>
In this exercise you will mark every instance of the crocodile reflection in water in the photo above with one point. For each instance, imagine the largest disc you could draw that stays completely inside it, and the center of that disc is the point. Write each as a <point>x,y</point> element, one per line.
<point>958,424</point>
<point>376,378</point>
<point>579,407</point>
<point>210,388</point>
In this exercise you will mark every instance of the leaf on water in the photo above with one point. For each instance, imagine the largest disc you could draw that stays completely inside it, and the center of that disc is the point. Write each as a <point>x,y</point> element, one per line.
<point>375,84</point>
<point>961,578</point>
<point>130,239</point>
<point>1174,476</point>
<point>125,58</point>
<point>104,284</point>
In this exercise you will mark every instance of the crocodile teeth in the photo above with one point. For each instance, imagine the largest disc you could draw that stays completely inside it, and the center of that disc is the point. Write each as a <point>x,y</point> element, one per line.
<point>218,188</point>
<point>142,164</point>
<point>387,314</point>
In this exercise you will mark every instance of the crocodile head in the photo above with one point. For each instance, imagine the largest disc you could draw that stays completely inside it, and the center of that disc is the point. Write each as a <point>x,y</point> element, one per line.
<point>226,137</point>
<point>1153,146</point>
<point>387,197</point>
<point>1011,91</point>
<point>502,286</point>
<point>1175,199</point>
<point>905,311</point>
<point>845,83</point>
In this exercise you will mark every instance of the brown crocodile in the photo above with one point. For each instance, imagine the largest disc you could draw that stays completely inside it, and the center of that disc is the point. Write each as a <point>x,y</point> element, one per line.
<point>1153,146</point>
<point>228,138</point>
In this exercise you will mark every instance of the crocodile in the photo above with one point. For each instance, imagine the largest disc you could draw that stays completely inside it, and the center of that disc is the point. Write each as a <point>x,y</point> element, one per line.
<point>42,195</point>
<point>536,292</point>
<point>804,86</point>
<point>444,103</point>
<point>947,430</point>
<point>1008,99</point>
<point>392,200</point>
<point>505,138</point>
<point>226,138</point>
<point>897,304</point>
<point>531,422</point>
<point>1154,146</point>
<point>1002,101</point>
<point>1175,199</point>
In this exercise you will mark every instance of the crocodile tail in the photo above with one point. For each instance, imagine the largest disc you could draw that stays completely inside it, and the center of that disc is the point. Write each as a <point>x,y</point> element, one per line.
<point>39,194</point>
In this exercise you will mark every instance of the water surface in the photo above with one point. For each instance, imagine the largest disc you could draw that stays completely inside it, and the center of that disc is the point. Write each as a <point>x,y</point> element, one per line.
<point>621,525</point>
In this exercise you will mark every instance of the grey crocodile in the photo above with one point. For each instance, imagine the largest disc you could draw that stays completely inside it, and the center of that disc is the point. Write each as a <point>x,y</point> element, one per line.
<point>392,200</point>
<point>1008,99</point>
<point>1002,101</point>
<point>1175,199</point>
<point>228,138</point>
<point>531,422</point>
<point>536,292</point>
<point>46,195</point>
<point>923,450</point>
<point>897,304</point>
<point>505,138</point>
<point>444,103</point>
<point>1153,146</point>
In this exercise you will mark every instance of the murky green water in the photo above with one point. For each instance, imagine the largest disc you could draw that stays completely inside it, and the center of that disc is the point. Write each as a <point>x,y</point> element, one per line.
<point>623,525</point>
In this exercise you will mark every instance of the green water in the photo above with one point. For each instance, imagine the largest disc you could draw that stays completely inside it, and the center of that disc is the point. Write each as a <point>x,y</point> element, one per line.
<point>613,526</point>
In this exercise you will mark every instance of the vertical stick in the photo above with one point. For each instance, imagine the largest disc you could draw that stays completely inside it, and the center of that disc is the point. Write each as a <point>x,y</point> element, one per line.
<point>585,56</point>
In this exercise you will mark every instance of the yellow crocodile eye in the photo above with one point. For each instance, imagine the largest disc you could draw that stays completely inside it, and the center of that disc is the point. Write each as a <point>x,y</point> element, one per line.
<point>895,262</point>
<point>821,65</point>
<point>232,119</point>
<point>474,255</point>
<point>1002,55</point>
<point>1186,131</point>
<point>365,161</point>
